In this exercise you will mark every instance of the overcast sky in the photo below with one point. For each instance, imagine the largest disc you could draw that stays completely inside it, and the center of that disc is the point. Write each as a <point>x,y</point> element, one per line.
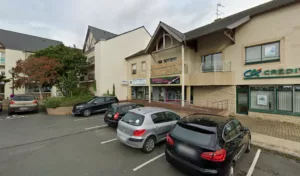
<point>67,20</point>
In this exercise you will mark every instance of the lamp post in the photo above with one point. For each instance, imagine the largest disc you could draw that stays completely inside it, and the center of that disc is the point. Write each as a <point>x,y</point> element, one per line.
<point>12,72</point>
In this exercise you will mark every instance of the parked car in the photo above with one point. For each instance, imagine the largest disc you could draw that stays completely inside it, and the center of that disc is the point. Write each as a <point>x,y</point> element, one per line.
<point>23,103</point>
<point>97,104</point>
<point>144,127</point>
<point>207,144</point>
<point>117,110</point>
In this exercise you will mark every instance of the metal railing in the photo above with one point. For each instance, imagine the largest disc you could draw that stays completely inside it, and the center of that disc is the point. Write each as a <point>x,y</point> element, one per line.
<point>91,77</point>
<point>216,66</point>
<point>91,60</point>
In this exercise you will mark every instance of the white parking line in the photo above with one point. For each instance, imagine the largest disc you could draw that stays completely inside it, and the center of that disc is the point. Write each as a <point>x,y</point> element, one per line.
<point>104,142</point>
<point>88,118</point>
<point>90,128</point>
<point>251,169</point>
<point>144,164</point>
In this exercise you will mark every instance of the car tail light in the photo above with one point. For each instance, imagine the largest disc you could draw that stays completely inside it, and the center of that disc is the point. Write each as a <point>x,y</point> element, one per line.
<point>12,102</point>
<point>139,132</point>
<point>170,141</point>
<point>35,102</point>
<point>116,116</point>
<point>217,156</point>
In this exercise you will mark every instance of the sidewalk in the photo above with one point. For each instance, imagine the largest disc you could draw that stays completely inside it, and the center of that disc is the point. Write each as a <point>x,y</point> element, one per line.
<point>283,137</point>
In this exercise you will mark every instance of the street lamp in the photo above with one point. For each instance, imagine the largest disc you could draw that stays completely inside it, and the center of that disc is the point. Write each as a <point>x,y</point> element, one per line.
<point>12,72</point>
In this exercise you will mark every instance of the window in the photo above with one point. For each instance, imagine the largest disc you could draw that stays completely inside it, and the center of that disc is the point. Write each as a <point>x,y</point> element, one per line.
<point>229,131</point>
<point>297,99</point>
<point>262,98</point>
<point>133,69</point>
<point>110,99</point>
<point>263,53</point>
<point>2,58</point>
<point>125,109</point>
<point>99,100</point>
<point>285,98</point>
<point>160,61</point>
<point>172,116</point>
<point>159,117</point>
<point>144,66</point>
<point>237,125</point>
<point>138,106</point>
<point>212,62</point>
<point>133,119</point>
<point>170,59</point>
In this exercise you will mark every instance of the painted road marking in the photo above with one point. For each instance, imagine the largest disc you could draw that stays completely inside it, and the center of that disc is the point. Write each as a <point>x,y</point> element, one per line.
<point>251,169</point>
<point>104,142</point>
<point>89,118</point>
<point>95,127</point>
<point>147,162</point>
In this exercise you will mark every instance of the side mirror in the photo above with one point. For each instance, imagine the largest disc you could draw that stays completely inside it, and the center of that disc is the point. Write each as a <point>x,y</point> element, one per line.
<point>246,129</point>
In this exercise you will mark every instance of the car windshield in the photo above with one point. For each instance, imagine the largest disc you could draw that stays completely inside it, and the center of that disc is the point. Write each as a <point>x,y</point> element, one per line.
<point>133,119</point>
<point>92,100</point>
<point>193,134</point>
<point>23,98</point>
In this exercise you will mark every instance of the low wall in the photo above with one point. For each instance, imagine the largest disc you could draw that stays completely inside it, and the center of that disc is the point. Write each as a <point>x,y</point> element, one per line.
<point>60,111</point>
<point>276,117</point>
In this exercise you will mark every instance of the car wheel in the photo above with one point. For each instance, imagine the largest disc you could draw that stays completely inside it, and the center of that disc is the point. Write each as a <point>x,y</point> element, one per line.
<point>248,146</point>
<point>87,112</point>
<point>149,145</point>
<point>231,170</point>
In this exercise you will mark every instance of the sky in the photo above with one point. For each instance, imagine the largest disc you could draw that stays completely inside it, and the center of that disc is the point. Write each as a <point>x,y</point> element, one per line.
<point>67,20</point>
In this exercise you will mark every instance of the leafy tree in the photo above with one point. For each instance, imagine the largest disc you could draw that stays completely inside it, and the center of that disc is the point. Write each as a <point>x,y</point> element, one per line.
<point>36,71</point>
<point>68,83</point>
<point>3,79</point>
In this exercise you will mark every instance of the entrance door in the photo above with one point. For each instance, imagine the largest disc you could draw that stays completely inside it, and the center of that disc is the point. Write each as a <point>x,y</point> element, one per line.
<point>242,105</point>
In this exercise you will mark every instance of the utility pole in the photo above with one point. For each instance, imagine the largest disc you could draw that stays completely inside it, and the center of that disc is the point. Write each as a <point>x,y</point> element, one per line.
<point>218,12</point>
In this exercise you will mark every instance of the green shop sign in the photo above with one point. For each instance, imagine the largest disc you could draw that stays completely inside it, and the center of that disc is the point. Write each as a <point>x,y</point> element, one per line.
<point>274,73</point>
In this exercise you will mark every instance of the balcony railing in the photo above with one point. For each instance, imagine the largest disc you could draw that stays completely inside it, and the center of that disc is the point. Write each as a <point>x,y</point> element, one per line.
<point>91,77</point>
<point>216,66</point>
<point>91,60</point>
<point>163,69</point>
<point>2,61</point>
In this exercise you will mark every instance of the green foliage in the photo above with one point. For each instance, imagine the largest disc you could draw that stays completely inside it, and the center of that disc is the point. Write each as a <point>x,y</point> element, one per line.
<point>68,83</point>
<point>53,102</point>
<point>3,79</point>
<point>114,89</point>
<point>107,93</point>
<point>95,86</point>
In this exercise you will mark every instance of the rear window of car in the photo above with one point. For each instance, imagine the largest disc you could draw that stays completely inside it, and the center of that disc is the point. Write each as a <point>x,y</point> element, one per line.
<point>194,135</point>
<point>23,98</point>
<point>113,108</point>
<point>133,119</point>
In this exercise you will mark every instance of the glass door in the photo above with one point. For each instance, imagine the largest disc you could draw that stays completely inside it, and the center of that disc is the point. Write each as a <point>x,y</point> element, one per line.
<point>242,103</point>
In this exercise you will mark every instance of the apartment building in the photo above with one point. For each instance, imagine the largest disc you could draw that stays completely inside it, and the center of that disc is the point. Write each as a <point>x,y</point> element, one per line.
<point>15,46</point>
<point>105,53</point>
<point>248,60</point>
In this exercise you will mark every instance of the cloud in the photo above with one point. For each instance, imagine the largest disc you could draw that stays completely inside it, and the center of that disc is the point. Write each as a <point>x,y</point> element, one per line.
<point>67,20</point>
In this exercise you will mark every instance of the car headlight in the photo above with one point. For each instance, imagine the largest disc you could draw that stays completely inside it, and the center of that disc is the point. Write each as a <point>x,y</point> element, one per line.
<point>79,107</point>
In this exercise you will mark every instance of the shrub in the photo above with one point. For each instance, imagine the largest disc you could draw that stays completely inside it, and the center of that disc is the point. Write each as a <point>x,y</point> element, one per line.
<point>53,102</point>
<point>81,92</point>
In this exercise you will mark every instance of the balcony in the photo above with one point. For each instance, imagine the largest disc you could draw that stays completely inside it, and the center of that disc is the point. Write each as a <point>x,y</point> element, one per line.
<point>91,60</point>
<point>213,73</point>
<point>87,78</point>
<point>91,77</point>
<point>2,61</point>
<point>169,68</point>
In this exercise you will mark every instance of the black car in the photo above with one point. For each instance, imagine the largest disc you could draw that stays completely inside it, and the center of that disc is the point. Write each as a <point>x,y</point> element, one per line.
<point>117,110</point>
<point>97,104</point>
<point>207,144</point>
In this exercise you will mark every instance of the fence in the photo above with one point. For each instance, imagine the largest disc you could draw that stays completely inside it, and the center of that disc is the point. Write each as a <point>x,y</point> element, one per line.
<point>216,66</point>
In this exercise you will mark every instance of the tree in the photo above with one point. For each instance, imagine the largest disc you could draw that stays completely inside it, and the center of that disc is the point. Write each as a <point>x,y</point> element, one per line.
<point>38,71</point>
<point>114,89</point>
<point>68,83</point>
<point>3,79</point>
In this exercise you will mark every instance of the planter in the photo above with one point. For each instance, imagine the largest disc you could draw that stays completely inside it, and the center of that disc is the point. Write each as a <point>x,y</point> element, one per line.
<point>60,111</point>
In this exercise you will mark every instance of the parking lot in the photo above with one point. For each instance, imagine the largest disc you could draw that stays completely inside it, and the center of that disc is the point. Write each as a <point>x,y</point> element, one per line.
<point>38,144</point>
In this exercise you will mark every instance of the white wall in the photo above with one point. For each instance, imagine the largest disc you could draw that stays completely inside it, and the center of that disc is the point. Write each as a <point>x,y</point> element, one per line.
<point>110,64</point>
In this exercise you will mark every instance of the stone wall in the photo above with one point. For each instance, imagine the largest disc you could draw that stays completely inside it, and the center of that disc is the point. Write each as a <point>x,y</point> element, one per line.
<point>276,117</point>
<point>164,69</point>
<point>204,94</point>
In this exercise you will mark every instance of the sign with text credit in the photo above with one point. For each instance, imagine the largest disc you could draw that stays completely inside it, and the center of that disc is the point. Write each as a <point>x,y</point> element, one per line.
<point>272,73</point>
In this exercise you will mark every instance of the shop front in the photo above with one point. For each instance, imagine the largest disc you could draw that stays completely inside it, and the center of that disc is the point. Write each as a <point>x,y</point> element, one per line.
<point>166,89</point>
<point>282,99</point>
<point>139,89</point>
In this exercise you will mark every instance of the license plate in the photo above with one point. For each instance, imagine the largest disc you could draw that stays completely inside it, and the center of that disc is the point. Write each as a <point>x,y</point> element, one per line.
<point>22,109</point>
<point>186,150</point>
<point>109,115</point>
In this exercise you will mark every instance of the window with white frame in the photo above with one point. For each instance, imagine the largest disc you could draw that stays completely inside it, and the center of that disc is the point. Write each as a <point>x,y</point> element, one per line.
<point>263,53</point>
<point>144,66</point>
<point>133,69</point>
<point>212,62</point>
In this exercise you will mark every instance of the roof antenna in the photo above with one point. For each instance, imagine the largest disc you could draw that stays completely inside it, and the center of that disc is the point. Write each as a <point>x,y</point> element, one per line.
<point>218,12</point>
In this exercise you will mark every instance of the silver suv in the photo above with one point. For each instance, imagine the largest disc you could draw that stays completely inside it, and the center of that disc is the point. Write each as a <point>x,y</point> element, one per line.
<point>144,127</point>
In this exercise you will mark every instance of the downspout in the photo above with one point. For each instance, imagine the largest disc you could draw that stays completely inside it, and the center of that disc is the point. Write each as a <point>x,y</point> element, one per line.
<point>182,71</point>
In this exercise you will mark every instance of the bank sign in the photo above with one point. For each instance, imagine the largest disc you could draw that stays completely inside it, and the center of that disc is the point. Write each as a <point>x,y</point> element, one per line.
<point>272,73</point>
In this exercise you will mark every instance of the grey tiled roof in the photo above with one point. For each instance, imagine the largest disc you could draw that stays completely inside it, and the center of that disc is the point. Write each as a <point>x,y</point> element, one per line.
<point>175,31</point>
<point>24,42</point>
<point>223,23</point>
<point>101,34</point>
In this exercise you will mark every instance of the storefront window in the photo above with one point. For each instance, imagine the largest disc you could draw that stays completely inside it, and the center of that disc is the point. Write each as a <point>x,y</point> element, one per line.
<point>262,98</point>
<point>297,99</point>
<point>285,98</point>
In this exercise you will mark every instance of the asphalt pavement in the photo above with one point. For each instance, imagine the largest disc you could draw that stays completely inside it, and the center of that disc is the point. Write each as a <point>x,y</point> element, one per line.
<point>38,144</point>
